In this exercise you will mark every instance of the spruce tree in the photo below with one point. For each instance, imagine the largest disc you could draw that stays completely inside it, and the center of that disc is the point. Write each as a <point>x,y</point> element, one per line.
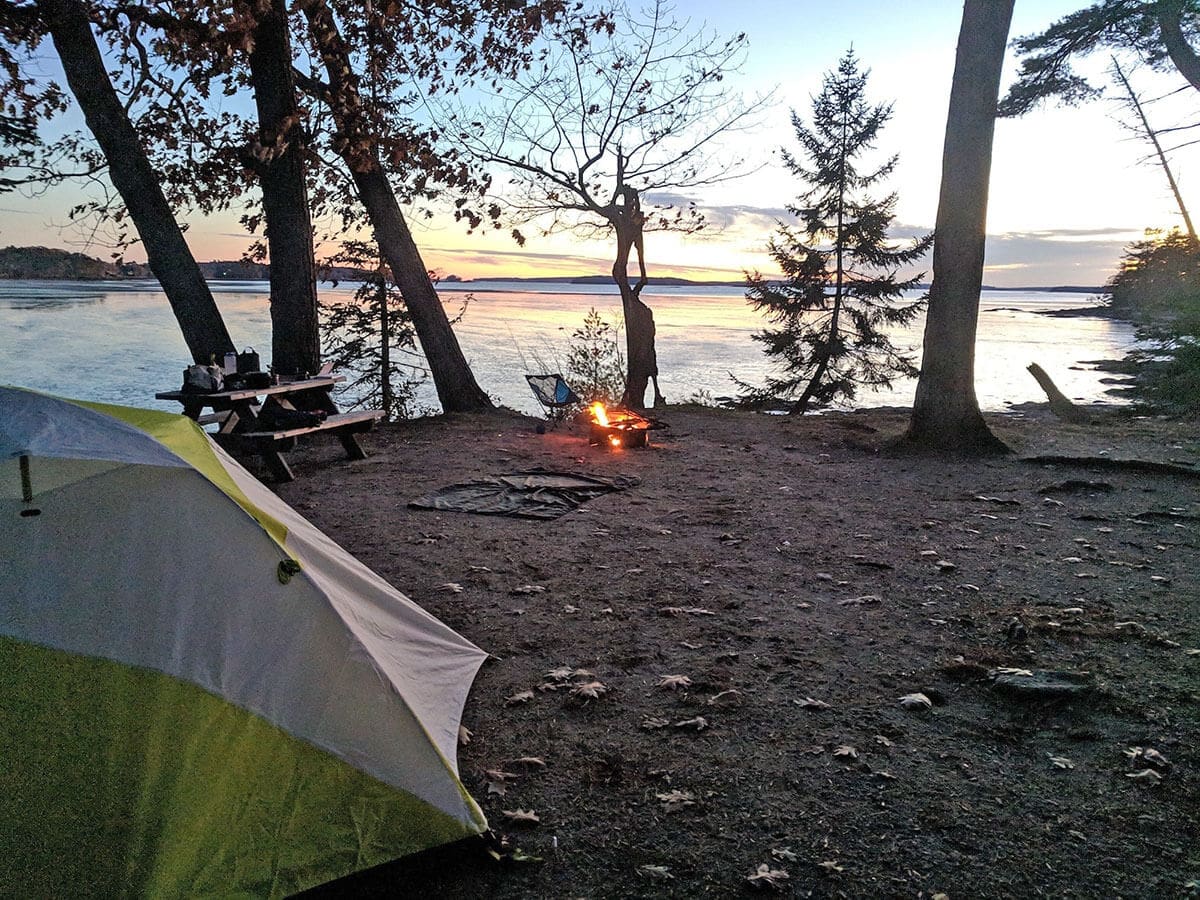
<point>840,287</point>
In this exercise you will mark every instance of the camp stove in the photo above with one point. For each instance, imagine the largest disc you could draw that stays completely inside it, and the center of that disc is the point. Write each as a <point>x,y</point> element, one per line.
<point>618,428</point>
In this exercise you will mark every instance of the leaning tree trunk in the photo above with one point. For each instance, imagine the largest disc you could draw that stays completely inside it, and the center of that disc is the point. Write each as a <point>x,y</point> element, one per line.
<point>134,177</point>
<point>946,413</point>
<point>295,325</point>
<point>452,377</point>
<point>641,361</point>
<point>1169,16</point>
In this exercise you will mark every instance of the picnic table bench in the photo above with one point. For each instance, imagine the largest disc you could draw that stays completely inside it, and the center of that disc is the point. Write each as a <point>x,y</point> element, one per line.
<point>244,427</point>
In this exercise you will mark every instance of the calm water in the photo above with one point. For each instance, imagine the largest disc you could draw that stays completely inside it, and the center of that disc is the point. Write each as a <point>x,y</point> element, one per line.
<point>118,342</point>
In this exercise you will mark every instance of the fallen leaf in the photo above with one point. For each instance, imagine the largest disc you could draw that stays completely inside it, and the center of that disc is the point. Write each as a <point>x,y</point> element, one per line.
<point>766,877</point>
<point>464,735</point>
<point>650,723</point>
<point>673,801</point>
<point>725,698</point>
<point>685,611</point>
<point>830,865</point>
<point>1060,762</point>
<point>656,873</point>
<point>882,741</point>
<point>570,609</point>
<point>528,589</point>
<point>1153,756</point>
<point>589,689</point>
<point>916,701</point>
<point>860,601</point>
<point>497,787</point>
<point>523,697</point>
<point>451,587</point>
<point>1147,775</point>
<point>784,853</point>
<point>811,703</point>
<point>698,723</point>
<point>884,775</point>
<point>1021,673</point>
<point>522,817</point>
<point>674,682</point>
<point>583,673</point>
<point>562,673</point>
<point>945,565</point>
<point>530,762</point>
<point>846,750</point>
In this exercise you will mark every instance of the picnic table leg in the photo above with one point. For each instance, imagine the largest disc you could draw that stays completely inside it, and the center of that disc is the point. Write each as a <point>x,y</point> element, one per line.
<point>354,450</point>
<point>280,470</point>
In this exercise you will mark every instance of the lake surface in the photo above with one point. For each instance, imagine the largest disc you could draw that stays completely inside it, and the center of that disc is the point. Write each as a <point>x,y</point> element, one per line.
<point>117,342</point>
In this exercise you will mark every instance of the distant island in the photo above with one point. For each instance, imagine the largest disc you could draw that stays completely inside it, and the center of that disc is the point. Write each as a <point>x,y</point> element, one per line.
<point>46,263</point>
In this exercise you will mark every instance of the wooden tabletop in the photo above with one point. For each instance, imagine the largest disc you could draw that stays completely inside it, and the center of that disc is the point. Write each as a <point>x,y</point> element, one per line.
<point>287,387</point>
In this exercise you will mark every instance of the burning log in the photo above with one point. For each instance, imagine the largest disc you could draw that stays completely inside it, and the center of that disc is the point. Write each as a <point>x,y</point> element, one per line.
<point>618,428</point>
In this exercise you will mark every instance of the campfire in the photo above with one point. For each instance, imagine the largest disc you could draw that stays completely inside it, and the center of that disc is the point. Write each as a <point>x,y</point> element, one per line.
<point>617,428</point>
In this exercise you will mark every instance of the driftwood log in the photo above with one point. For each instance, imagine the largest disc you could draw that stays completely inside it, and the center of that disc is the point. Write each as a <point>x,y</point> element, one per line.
<point>1059,404</point>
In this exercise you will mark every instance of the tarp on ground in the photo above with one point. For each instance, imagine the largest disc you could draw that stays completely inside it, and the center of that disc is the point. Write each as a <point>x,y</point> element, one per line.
<point>529,495</point>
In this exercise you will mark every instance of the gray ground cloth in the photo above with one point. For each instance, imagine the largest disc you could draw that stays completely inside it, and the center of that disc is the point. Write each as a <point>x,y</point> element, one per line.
<point>530,495</point>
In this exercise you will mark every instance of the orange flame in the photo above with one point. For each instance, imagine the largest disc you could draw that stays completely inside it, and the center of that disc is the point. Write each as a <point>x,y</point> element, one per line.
<point>599,414</point>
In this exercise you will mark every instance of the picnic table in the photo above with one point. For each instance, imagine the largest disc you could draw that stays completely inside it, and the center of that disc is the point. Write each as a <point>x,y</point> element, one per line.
<point>243,426</point>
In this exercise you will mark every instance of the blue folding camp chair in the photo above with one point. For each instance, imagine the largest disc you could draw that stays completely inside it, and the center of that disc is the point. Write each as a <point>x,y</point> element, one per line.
<point>554,394</point>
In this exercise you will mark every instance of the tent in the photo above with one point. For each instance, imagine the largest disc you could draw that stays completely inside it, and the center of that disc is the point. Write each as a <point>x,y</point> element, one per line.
<point>200,692</point>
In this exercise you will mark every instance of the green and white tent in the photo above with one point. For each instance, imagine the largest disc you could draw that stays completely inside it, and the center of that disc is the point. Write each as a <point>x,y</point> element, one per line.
<point>179,716</point>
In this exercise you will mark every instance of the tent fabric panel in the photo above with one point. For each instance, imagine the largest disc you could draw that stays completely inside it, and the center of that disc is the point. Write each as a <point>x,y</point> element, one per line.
<point>175,584</point>
<point>124,782</point>
<point>189,442</point>
<point>429,664</point>
<point>33,424</point>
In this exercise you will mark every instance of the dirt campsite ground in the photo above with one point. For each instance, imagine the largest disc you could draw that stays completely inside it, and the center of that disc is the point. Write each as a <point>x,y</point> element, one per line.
<point>753,612</point>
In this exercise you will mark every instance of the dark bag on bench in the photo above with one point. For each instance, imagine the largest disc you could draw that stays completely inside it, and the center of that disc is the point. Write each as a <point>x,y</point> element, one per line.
<point>280,419</point>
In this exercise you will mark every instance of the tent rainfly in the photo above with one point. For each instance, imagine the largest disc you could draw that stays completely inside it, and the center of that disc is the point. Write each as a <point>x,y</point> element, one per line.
<point>202,694</point>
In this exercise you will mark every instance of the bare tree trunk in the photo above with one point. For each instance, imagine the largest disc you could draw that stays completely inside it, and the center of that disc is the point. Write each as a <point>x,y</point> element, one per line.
<point>295,325</point>
<point>946,413</point>
<point>134,177</point>
<point>641,358</point>
<point>452,377</point>
<point>1152,136</point>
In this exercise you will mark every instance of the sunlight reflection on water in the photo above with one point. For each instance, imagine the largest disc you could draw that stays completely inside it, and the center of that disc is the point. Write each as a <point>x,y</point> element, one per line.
<point>118,342</point>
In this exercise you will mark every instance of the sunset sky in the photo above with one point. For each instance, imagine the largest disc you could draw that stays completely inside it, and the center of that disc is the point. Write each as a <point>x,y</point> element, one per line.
<point>1069,189</point>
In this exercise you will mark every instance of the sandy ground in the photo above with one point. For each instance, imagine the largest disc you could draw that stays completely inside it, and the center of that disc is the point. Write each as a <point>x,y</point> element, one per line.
<point>756,608</point>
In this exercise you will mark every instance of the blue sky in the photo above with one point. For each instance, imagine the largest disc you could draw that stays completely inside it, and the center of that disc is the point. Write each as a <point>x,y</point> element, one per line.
<point>1068,191</point>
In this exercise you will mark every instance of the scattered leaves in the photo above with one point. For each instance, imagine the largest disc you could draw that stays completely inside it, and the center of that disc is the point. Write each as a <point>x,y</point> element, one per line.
<point>867,600</point>
<point>766,877</point>
<point>522,697</point>
<point>726,698</point>
<point>656,873</point>
<point>812,703</point>
<point>1149,776</point>
<point>674,801</point>
<point>525,818</point>
<point>592,690</point>
<point>529,762</point>
<point>916,701</point>
<point>674,682</point>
